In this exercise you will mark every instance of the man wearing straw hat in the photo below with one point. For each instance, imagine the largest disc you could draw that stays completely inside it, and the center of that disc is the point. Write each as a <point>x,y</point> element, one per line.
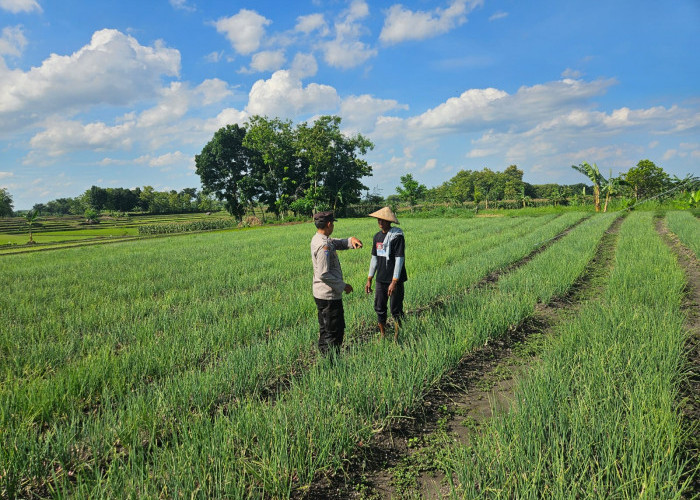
<point>388,265</point>
<point>328,284</point>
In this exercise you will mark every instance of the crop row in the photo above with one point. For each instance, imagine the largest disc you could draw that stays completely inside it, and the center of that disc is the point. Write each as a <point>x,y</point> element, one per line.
<point>598,418</point>
<point>63,398</point>
<point>687,228</point>
<point>140,435</point>
<point>187,226</point>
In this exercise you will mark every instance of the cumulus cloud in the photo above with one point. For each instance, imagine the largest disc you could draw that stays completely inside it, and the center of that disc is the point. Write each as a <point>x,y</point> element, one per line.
<point>12,41</point>
<point>244,30</point>
<point>360,113</point>
<point>268,60</point>
<point>346,50</point>
<point>16,6</point>
<point>283,95</point>
<point>311,23</point>
<point>303,65</point>
<point>112,69</point>
<point>163,123</point>
<point>402,24</point>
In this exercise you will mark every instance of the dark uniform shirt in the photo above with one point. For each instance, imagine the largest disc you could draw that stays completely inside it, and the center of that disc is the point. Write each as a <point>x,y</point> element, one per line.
<point>385,265</point>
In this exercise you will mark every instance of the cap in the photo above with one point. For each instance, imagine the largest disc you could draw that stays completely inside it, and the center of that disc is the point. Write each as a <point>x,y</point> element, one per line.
<point>324,216</point>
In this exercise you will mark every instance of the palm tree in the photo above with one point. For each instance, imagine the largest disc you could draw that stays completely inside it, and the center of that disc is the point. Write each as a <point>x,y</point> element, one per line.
<point>596,178</point>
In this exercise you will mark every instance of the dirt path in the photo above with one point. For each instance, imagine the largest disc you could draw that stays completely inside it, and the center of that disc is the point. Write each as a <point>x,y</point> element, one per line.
<point>404,461</point>
<point>690,388</point>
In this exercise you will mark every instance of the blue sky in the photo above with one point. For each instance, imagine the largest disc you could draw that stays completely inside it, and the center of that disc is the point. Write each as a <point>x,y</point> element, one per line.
<point>125,93</point>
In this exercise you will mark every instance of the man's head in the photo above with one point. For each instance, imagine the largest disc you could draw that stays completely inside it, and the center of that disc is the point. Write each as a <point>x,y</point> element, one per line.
<point>324,221</point>
<point>385,216</point>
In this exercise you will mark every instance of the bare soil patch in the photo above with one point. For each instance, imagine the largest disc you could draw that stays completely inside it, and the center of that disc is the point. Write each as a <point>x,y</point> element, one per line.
<point>404,461</point>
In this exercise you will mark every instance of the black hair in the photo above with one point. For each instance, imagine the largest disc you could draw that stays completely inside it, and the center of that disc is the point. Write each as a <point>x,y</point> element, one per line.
<point>321,224</point>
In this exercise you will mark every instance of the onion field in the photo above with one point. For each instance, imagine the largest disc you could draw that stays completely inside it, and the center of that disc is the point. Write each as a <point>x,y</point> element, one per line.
<point>187,366</point>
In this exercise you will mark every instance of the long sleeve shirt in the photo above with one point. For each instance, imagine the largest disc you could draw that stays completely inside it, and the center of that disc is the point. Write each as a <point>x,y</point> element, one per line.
<point>328,281</point>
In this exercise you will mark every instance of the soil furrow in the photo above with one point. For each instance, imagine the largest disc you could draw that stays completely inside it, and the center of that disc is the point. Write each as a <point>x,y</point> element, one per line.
<point>403,461</point>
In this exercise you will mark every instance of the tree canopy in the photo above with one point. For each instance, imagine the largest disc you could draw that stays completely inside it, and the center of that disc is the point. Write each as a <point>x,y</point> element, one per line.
<point>6,205</point>
<point>270,162</point>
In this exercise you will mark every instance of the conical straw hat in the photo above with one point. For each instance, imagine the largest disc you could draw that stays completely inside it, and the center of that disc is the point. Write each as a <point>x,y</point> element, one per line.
<point>386,214</point>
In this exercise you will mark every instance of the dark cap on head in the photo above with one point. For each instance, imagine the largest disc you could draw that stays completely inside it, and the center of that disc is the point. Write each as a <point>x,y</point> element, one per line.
<point>324,217</point>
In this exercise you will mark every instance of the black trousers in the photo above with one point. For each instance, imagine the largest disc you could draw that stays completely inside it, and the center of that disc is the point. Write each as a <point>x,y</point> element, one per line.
<point>331,323</point>
<point>381,298</point>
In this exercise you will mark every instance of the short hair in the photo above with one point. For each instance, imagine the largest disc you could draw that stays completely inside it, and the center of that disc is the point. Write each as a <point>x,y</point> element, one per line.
<point>321,224</point>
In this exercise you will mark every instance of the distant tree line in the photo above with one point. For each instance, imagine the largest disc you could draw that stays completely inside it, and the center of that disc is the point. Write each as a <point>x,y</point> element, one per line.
<point>643,181</point>
<point>146,199</point>
<point>269,163</point>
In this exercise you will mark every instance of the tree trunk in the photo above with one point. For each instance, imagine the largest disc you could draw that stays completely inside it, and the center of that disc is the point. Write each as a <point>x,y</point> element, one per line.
<point>607,198</point>
<point>596,197</point>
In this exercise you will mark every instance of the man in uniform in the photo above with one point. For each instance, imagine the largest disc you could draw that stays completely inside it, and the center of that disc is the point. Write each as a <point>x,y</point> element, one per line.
<point>388,264</point>
<point>328,284</point>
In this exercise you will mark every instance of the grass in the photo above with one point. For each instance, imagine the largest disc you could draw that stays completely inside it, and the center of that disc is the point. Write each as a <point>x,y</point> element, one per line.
<point>154,369</point>
<point>598,418</point>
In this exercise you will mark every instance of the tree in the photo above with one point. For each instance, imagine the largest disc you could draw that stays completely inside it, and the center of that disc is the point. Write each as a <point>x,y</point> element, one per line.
<point>593,173</point>
<point>331,160</point>
<point>96,198</point>
<point>277,171</point>
<point>611,187</point>
<point>411,190</point>
<point>646,179</point>
<point>31,218</point>
<point>6,205</point>
<point>222,165</point>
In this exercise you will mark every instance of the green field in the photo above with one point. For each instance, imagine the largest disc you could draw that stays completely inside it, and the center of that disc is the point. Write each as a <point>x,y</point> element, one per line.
<point>187,366</point>
<point>59,231</point>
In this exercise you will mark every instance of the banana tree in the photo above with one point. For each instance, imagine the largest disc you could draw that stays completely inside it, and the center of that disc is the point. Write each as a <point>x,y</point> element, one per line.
<point>31,217</point>
<point>596,178</point>
<point>611,187</point>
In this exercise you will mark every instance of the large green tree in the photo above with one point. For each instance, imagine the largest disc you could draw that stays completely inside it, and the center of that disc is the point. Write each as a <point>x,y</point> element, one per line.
<point>332,163</point>
<point>223,165</point>
<point>646,179</point>
<point>6,205</point>
<point>278,173</point>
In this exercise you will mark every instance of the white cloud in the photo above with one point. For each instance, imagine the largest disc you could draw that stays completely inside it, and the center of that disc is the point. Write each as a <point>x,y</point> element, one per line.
<point>571,73</point>
<point>182,5</point>
<point>498,15</point>
<point>310,23</point>
<point>244,30</point>
<point>163,123</point>
<point>429,165</point>
<point>112,69</point>
<point>346,50</point>
<point>6,175</point>
<point>214,57</point>
<point>267,61</point>
<point>360,113</point>
<point>283,95</point>
<point>304,65</point>
<point>402,24</point>
<point>16,6</point>
<point>62,136</point>
<point>12,41</point>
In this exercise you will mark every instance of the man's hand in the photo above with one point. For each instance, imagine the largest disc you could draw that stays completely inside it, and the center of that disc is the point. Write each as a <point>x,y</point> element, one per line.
<point>355,243</point>
<point>368,286</point>
<point>348,288</point>
<point>392,287</point>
